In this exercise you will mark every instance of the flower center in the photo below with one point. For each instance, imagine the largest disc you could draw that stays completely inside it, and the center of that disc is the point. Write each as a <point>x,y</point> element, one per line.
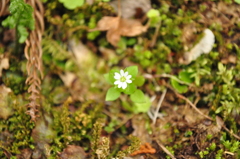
<point>122,79</point>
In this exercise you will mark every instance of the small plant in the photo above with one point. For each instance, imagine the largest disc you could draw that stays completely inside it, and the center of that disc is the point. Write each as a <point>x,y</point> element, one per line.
<point>229,101</point>
<point>21,18</point>
<point>72,4</point>
<point>181,83</point>
<point>125,81</point>
<point>154,17</point>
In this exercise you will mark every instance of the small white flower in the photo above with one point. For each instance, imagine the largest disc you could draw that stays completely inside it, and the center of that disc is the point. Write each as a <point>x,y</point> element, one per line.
<point>122,79</point>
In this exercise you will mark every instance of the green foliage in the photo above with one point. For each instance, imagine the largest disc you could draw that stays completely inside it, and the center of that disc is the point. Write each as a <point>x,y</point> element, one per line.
<point>56,57</point>
<point>138,97</point>
<point>154,17</point>
<point>180,83</point>
<point>100,145</point>
<point>16,131</point>
<point>21,18</point>
<point>207,151</point>
<point>72,4</point>
<point>229,145</point>
<point>142,107</point>
<point>188,133</point>
<point>229,100</point>
<point>237,1</point>
<point>114,92</point>
<point>135,144</point>
<point>170,149</point>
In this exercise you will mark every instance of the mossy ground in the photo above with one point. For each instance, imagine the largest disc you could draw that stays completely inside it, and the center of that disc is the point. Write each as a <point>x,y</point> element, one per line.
<point>73,108</point>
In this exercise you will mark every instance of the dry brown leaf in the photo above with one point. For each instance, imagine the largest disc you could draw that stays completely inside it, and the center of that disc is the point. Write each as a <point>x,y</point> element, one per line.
<point>117,27</point>
<point>107,23</point>
<point>113,36</point>
<point>5,110</point>
<point>4,64</point>
<point>129,7</point>
<point>131,27</point>
<point>73,152</point>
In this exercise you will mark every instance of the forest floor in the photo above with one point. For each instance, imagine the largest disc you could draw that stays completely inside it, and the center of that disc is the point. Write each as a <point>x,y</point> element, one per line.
<point>187,55</point>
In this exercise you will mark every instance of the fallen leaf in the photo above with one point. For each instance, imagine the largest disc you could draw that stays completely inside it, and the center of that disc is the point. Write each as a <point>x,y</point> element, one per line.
<point>5,110</point>
<point>73,152</point>
<point>129,8</point>
<point>131,27</point>
<point>117,27</point>
<point>4,64</point>
<point>107,23</point>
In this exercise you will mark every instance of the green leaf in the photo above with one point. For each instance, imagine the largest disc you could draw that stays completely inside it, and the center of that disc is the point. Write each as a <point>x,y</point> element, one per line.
<point>131,88</point>
<point>186,77</point>
<point>180,88</point>
<point>138,97</point>
<point>152,13</point>
<point>221,68</point>
<point>112,94</point>
<point>132,70</point>
<point>72,4</point>
<point>237,1</point>
<point>142,107</point>
<point>139,81</point>
<point>21,17</point>
<point>24,33</point>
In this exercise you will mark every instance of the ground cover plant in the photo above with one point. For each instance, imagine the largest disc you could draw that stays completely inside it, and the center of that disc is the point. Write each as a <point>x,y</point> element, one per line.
<point>126,79</point>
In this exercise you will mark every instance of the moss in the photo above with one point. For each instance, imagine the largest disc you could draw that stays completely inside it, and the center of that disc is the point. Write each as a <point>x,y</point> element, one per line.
<point>15,132</point>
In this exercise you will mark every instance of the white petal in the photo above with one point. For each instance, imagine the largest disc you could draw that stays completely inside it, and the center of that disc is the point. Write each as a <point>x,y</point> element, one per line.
<point>128,77</point>
<point>125,74</point>
<point>120,84</point>
<point>117,82</point>
<point>129,81</point>
<point>117,75</point>
<point>122,72</point>
<point>124,85</point>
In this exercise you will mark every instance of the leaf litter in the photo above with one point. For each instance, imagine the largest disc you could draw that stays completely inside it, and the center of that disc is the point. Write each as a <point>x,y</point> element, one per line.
<point>117,27</point>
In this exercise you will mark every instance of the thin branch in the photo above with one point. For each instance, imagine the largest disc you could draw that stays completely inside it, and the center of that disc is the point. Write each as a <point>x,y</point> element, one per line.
<point>119,8</point>
<point>158,106</point>
<point>231,133</point>
<point>154,38</point>
<point>149,76</point>
<point>192,105</point>
<point>165,150</point>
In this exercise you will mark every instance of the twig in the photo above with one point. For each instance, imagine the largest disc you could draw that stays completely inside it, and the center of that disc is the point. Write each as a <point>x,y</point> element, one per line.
<point>149,76</point>
<point>192,105</point>
<point>154,38</point>
<point>231,133</point>
<point>165,150</point>
<point>119,8</point>
<point>158,106</point>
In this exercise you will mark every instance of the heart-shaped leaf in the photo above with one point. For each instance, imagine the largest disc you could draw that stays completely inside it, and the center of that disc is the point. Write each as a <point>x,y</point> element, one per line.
<point>138,97</point>
<point>112,94</point>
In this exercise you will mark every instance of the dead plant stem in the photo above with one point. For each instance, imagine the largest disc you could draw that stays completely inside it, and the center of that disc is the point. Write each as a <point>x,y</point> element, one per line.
<point>119,8</point>
<point>158,106</point>
<point>192,105</point>
<point>165,150</point>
